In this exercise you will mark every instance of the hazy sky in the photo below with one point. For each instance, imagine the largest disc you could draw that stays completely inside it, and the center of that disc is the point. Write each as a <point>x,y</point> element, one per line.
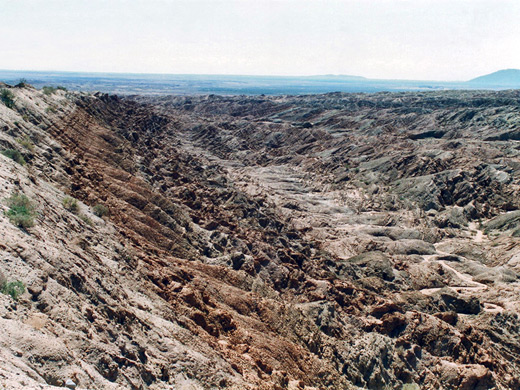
<point>419,39</point>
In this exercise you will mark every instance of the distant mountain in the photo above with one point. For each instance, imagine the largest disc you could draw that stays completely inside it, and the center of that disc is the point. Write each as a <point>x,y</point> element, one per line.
<point>505,77</point>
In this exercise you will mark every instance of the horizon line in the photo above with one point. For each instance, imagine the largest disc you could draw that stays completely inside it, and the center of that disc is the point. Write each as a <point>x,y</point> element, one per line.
<point>244,75</point>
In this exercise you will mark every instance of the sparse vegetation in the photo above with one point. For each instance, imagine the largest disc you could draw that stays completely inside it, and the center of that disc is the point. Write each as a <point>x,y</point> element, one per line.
<point>71,204</point>
<point>14,289</point>
<point>21,210</point>
<point>14,155</point>
<point>26,142</point>
<point>48,90</point>
<point>7,98</point>
<point>100,210</point>
<point>22,83</point>
<point>86,219</point>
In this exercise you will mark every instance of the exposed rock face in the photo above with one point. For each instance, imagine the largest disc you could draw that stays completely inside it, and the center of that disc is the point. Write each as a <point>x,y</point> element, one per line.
<point>332,241</point>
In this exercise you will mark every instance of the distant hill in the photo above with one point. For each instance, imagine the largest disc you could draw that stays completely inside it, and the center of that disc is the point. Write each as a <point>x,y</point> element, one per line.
<point>505,77</point>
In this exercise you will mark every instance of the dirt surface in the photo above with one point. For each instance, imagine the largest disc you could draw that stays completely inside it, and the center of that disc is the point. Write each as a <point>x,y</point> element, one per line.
<point>334,241</point>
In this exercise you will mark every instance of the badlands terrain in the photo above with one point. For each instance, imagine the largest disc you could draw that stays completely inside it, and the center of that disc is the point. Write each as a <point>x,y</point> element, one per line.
<point>336,241</point>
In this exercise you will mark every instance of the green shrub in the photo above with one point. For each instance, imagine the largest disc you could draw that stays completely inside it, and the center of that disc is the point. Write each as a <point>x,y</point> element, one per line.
<point>86,219</point>
<point>22,83</point>
<point>100,210</point>
<point>61,88</point>
<point>21,210</point>
<point>48,90</point>
<point>70,204</point>
<point>14,155</point>
<point>7,97</point>
<point>14,289</point>
<point>26,143</point>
